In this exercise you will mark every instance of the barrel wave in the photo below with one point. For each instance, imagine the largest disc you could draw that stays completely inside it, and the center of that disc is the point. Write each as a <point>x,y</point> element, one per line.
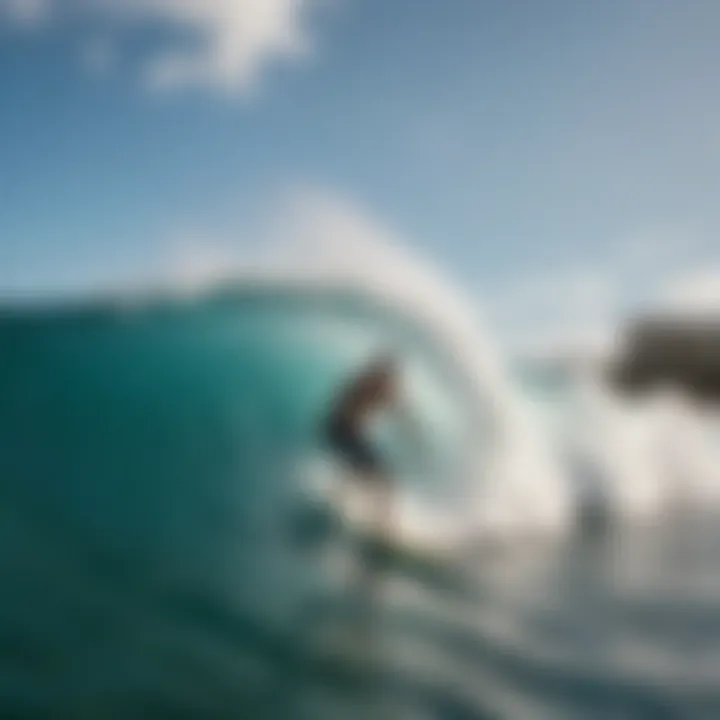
<point>150,456</point>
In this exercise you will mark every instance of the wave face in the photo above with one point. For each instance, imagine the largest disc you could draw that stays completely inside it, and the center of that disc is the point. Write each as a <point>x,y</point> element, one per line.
<point>214,388</point>
<point>150,456</point>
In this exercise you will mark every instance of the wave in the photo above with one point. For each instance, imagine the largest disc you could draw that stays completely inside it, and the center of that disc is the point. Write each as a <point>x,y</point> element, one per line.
<point>508,480</point>
<point>500,471</point>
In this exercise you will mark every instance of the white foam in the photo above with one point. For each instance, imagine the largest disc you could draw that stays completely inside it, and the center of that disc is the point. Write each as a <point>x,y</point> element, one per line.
<point>651,454</point>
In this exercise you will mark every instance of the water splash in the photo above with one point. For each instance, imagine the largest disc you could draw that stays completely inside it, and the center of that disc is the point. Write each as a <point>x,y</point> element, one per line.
<point>652,454</point>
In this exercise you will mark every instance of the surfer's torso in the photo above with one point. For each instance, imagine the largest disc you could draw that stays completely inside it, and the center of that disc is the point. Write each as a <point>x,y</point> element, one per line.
<point>365,396</point>
<point>346,424</point>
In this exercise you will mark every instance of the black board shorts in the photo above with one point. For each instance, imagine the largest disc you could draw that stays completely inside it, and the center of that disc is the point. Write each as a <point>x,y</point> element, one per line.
<point>354,450</point>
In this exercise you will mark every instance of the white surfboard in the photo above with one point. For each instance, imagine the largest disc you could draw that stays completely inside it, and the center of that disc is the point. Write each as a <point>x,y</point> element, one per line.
<point>418,531</point>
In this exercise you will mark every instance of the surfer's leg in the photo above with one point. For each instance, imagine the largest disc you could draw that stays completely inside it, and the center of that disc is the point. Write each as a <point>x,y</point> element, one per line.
<point>379,497</point>
<point>373,482</point>
<point>364,464</point>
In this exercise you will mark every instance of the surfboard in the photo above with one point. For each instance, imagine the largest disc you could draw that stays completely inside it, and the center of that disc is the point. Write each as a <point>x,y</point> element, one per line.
<point>324,518</point>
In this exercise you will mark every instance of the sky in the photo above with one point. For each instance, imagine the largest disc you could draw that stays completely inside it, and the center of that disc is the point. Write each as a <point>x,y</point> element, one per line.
<point>558,160</point>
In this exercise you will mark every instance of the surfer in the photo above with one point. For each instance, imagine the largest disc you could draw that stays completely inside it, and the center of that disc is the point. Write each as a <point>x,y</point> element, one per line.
<point>347,430</point>
<point>374,389</point>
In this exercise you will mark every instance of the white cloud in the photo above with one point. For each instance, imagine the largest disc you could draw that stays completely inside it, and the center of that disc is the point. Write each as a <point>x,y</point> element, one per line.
<point>226,44</point>
<point>235,39</point>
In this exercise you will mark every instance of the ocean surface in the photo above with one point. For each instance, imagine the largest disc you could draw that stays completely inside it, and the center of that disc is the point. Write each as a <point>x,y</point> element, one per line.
<point>160,556</point>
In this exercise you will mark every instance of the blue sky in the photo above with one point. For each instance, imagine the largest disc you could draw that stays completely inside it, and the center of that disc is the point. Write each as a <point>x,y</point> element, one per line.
<point>559,159</point>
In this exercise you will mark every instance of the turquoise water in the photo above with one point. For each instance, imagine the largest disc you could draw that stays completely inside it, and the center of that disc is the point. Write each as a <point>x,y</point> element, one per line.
<point>151,567</point>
